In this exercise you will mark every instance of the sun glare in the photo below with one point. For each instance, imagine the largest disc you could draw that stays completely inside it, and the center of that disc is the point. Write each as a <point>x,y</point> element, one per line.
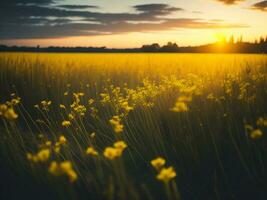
<point>220,37</point>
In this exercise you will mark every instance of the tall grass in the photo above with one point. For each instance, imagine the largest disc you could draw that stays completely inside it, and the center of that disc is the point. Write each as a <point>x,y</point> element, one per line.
<point>205,115</point>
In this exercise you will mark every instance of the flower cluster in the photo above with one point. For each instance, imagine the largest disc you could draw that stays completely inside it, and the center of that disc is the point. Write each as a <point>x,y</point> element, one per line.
<point>115,121</point>
<point>116,151</point>
<point>41,156</point>
<point>63,168</point>
<point>164,174</point>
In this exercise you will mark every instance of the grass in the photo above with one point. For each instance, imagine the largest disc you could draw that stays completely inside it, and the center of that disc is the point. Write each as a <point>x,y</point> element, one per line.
<point>203,115</point>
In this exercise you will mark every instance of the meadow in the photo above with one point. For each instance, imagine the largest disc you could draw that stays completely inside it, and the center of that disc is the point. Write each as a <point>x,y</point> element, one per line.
<point>133,126</point>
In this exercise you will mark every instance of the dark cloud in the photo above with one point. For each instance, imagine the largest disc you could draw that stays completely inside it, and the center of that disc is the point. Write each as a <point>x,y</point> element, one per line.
<point>21,19</point>
<point>156,8</point>
<point>229,2</point>
<point>79,7</point>
<point>27,2</point>
<point>262,5</point>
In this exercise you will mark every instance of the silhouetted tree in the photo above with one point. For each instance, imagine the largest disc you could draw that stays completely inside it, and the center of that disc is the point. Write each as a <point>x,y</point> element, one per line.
<point>170,47</point>
<point>231,40</point>
<point>150,48</point>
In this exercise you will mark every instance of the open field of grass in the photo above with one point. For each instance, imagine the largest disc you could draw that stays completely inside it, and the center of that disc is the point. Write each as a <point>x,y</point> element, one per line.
<point>133,126</point>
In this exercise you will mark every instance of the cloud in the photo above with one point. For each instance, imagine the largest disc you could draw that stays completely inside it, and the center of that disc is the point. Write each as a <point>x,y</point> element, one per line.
<point>229,2</point>
<point>21,19</point>
<point>156,8</point>
<point>79,7</point>
<point>262,5</point>
<point>27,2</point>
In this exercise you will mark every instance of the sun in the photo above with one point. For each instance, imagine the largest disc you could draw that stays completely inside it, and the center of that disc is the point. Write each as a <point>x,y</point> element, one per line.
<point>220,37</point>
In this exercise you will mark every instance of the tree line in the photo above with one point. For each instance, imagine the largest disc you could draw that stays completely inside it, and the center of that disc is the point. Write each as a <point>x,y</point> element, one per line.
<point>231,45</point>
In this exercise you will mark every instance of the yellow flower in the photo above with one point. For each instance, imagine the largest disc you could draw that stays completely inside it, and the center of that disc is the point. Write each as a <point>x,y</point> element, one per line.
<point>91,151</point>
<point>10,114</point>
<point>48,143</point>
<point>116,124</point>
<point>115,151</point>
<point>29,156</point>
<point>45,105</point>
<point>66,167</point>
<point>62,139</point>
<point>185,99</point>
<point>91,101</point>
<point>71,117</point>
<point>3,108</point>
<point>120,145</point>
<point>92,135</point>
<point>256,134</point>
<point>110,153</point>
<point>72,175</point>
<point>126,106</point>
<point>118,128</point>
<point>15,101</point>
<point>158,163</point>
<point>262,122</point>
<point>62,106</point>
<point>248,127</point>
<point>63,168</point>
<point>180,107</point>
<point>54,168</point>
<point>43,155</point>
<point>166,174</point>
<point>66,123</point>
<point>57,149</point>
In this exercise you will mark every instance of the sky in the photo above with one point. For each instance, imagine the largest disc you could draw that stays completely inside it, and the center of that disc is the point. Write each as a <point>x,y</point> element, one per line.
<point>129,23</point>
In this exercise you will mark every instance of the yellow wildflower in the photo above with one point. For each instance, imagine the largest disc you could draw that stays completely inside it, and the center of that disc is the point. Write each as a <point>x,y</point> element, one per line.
<point>91,101</point>
<point>158,163</point>
<point>116,123</point>
<point>262,122</point>
<point>126,106</point>
<point>10,114</point>
<point>62,139</point>
<point>62,106</point>
<point>91,151</point>
<point>120,146</point>
<point>63,168</point>
<point>256,134</point>
<point>54,168</point>
<point>15,101</point>
<point>66,167</point>
<point>70,116</point>
<point>29,156</point>
<point>110,153</point>
<point>43,155</point>
<point>57,149</point>
<point>92,135</point>
<point>180,107</point>
<point>66,123</point>
<point>48,143</point>
<point>45,105</point>
<point>166,174</point>
<point>3,108</point>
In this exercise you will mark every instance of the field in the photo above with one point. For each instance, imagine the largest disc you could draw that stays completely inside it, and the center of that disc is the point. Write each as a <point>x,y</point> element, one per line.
<point>133,126</point>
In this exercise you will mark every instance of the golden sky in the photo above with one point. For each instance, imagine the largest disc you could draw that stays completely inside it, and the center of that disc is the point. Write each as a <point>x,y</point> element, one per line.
<point>129,23</point>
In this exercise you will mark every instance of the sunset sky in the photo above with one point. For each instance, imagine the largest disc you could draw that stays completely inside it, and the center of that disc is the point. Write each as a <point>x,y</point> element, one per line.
<point>129,23</point>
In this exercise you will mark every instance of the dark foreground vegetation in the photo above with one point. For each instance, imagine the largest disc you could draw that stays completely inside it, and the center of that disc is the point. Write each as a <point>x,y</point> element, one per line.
<point>142,127</point>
